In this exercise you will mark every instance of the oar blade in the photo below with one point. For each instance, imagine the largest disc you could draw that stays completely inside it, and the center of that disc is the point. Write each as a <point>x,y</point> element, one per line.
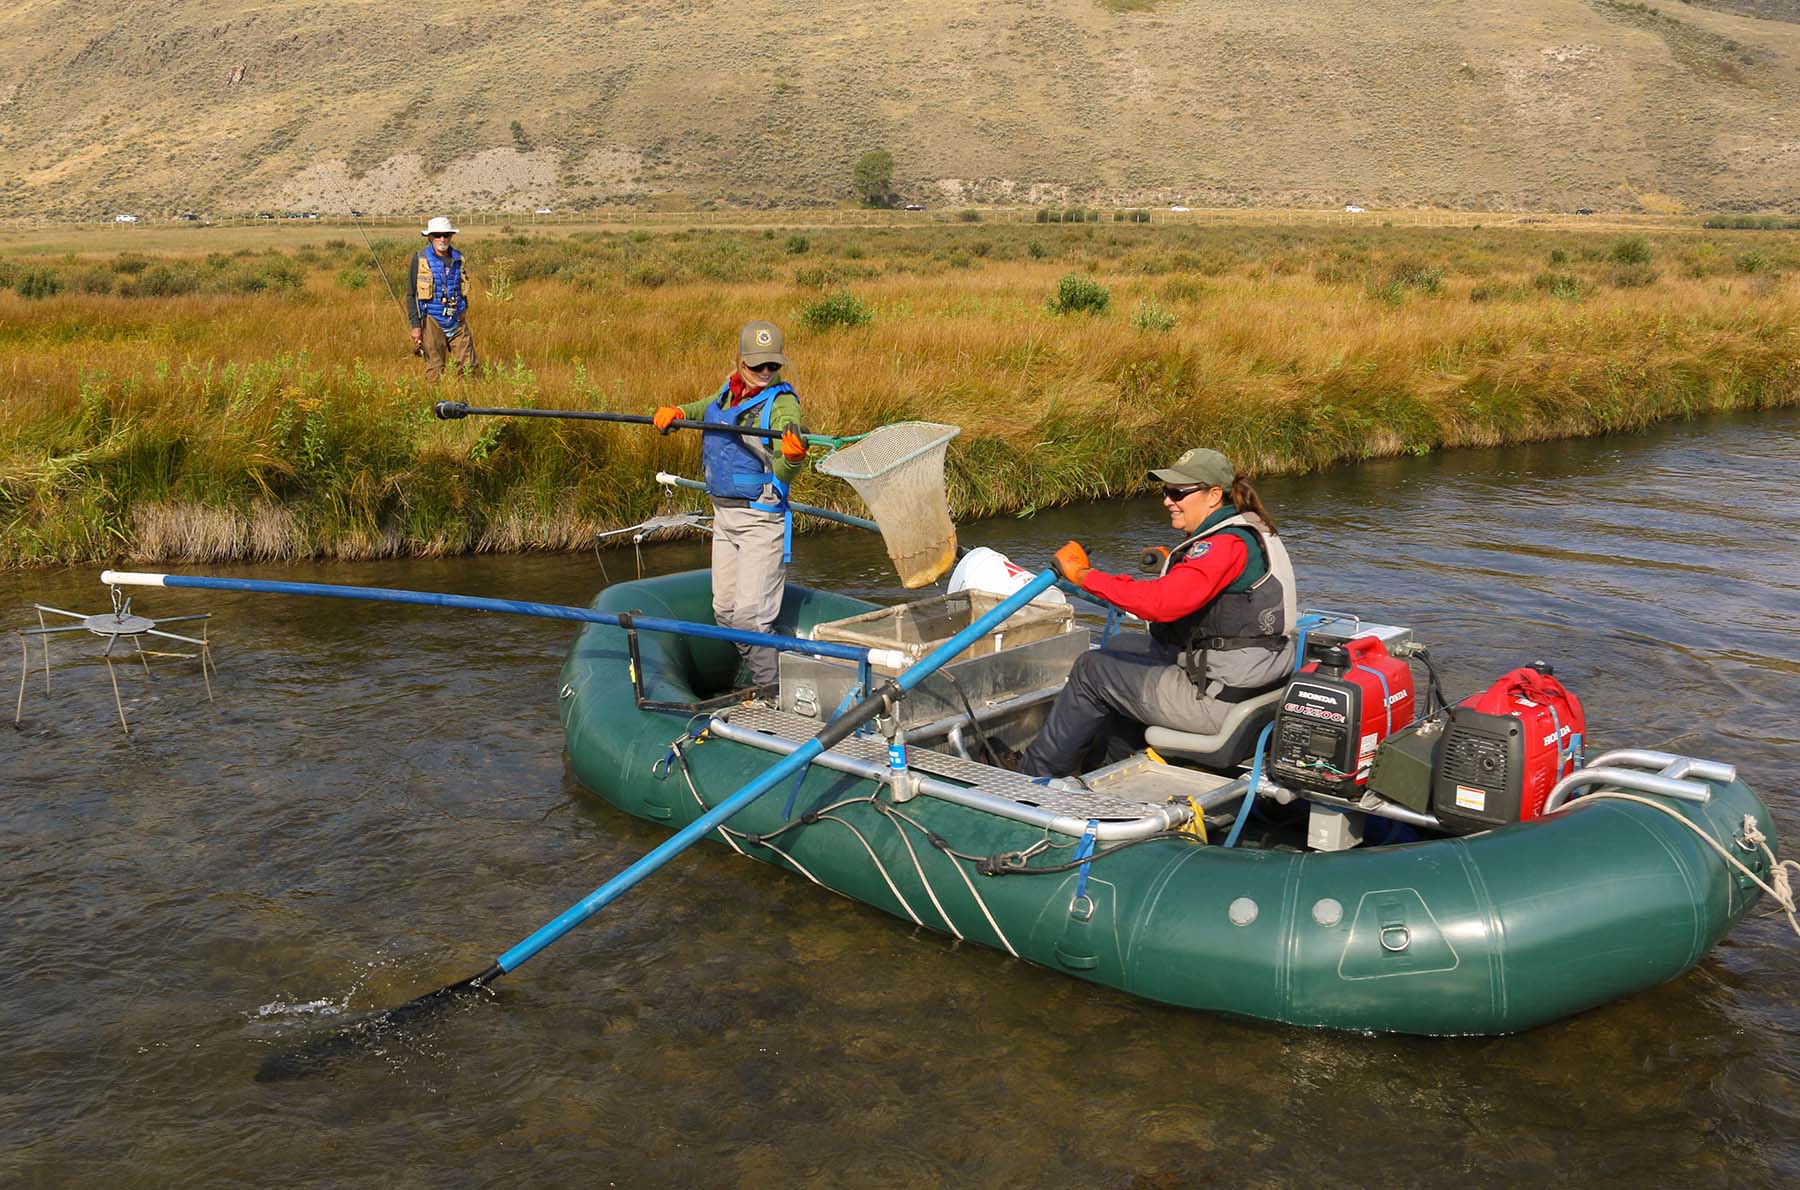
<point>317,1055</point>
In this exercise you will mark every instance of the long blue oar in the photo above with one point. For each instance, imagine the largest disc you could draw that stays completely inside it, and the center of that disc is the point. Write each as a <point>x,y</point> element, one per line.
<point>841,726</point>
<point>549,611</point>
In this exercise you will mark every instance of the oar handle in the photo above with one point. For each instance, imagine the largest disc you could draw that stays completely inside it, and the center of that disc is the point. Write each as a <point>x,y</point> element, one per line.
<point>456,410</point>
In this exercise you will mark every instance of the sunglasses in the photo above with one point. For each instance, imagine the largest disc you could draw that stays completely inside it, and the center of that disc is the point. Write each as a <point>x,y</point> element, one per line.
<point>439,235</point>
<point>763,368</point>
<point>1176,495</point>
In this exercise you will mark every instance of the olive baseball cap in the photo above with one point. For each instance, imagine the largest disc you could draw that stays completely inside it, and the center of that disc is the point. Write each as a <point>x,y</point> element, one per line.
<point>760,343</point>
<point>1200,465</point>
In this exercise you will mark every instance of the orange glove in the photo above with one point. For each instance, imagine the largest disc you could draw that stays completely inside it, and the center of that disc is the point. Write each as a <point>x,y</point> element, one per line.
<point>664,416</point>
<point>1071,561</point>
<point>793,446</point>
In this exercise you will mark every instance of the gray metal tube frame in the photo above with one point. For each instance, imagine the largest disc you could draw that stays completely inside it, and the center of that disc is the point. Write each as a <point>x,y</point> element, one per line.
<point>1671,781</point>
<point>1160,819</point>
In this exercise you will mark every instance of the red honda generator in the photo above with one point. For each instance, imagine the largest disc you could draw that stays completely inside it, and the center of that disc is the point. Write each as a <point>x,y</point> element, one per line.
<point>1335,714</point>
<point>1504,749</point>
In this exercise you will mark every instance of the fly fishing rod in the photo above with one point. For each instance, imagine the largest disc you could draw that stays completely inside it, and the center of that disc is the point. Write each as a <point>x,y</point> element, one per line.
<point>392,292</point>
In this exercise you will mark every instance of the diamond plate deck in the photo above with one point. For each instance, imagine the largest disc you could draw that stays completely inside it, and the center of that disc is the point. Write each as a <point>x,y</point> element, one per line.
<point>1077,803</point>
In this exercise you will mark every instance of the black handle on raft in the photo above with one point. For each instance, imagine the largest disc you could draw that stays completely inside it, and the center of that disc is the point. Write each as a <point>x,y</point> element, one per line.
<point>456,410</point>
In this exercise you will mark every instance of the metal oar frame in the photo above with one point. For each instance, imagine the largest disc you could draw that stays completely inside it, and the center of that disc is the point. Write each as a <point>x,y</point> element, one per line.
<point>116,625</point>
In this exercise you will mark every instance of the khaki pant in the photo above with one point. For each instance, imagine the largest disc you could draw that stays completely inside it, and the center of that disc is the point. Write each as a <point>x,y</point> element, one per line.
<point>437,348</point>
<point>748,578</point>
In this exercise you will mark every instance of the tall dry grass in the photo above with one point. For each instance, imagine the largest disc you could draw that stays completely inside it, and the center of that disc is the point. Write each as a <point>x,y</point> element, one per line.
<point>291,421</point>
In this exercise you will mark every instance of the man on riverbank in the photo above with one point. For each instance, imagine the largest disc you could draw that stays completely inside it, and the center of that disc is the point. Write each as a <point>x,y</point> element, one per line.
<point>438,300</point>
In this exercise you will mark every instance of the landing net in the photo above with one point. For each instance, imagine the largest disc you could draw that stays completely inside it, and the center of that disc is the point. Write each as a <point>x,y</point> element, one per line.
<point>898,470</point>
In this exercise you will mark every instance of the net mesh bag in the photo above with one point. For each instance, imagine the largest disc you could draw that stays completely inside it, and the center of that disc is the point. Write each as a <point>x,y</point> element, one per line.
<point>898,471</point>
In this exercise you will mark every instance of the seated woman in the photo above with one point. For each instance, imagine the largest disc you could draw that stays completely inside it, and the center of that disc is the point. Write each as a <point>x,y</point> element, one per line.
<point>1221,618</point>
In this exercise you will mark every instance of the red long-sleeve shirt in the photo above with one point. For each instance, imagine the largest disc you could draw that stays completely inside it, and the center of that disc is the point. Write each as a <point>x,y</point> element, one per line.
<point>1192,583</point>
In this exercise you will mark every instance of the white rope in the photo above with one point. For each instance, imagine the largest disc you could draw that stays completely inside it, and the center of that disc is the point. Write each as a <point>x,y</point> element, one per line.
<point>727,834</point>
<point>876,860</point>
<point>1781,890</point>
<point>979,903</point>
<point>920,869</point>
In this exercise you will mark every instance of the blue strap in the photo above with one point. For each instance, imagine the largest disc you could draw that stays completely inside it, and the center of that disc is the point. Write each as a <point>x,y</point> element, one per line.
<point>787,810</point>
<point>1386,706</point>
<point>1084,851</point>
<point>1112,623</point>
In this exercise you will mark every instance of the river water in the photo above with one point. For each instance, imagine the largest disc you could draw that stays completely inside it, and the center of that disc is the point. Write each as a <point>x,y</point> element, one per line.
<point>376,805</point>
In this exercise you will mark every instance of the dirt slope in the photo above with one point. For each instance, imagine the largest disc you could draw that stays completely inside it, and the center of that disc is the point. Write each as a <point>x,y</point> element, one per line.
<point>226,106</point>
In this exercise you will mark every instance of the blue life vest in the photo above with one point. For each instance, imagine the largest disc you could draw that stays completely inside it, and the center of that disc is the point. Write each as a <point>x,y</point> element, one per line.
<point>447,299</point>
<point>744,468</point>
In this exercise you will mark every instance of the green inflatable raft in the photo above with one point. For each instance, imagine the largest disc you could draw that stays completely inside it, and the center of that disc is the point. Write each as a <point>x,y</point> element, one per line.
<point>1485,933</point>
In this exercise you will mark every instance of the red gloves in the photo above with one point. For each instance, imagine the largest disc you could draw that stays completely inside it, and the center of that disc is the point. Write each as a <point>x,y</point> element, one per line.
<point>664,416</point>
<point>793,446</point>
<point>1071,561</point>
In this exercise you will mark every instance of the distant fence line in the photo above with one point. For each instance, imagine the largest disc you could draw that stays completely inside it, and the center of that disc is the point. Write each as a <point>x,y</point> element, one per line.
<point>804,217</point>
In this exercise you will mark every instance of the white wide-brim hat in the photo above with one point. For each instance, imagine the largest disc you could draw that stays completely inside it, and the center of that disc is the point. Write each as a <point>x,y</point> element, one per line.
<point>437,227</point>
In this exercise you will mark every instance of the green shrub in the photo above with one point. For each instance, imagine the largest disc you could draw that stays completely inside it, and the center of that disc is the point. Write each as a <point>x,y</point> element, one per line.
<point>40,283</point>
<point>1630,250</point>
<point>1495,291</point>
<point>815,276</point>
<point>130,264</point>
<point>1042,215</point>
<point>1754,261</point>
<point>968,216</point>
<point>166,281</point>
<point>1631,276</point>
<point>1151,317</point>
<point>1558,285</point>
<point>353,278</point>
<point>854,252</point>
<point>1391,293</point>
<point>1559,256</point>
<point>1417,275</point>
<point>97,279</point>
<point>840,309</point>
<point>1035,249</point>
<point>1076,294</point>
<point>1140,216</point>
<point>797,245</point>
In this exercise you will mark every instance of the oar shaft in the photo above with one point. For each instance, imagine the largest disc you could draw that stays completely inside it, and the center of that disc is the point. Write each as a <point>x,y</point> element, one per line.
<point>824,514</point>
<point>549,611</point>
<point>834,732</point>
<point>453,410</point>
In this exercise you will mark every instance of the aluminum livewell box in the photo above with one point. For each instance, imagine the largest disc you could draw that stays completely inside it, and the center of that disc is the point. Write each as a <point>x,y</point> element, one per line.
<point>1031,650</point>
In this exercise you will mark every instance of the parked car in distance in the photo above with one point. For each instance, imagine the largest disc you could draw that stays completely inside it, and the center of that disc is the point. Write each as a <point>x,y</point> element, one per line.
<point>1584,210</point>
<point>1178,208</point>
<point>913,206</point>
<point>1352,209</point>
<point>187,217</point>
<point>545,211</point>
<point>125,219</point>
<point>264,215</point>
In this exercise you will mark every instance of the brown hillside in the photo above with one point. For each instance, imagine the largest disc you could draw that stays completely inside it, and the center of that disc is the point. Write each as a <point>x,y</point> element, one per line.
<point>227,106</point>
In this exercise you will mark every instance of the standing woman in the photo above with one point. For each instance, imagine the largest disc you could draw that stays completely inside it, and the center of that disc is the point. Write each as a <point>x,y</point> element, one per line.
<point>748,480</point>
<point>1222,623</point>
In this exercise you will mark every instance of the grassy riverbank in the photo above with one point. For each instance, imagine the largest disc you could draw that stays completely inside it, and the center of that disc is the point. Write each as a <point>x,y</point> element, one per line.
<point>244,403</point>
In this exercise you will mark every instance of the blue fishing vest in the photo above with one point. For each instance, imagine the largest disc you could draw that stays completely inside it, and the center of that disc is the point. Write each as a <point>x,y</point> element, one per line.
<point>446,301</point>
<point>740,468</point>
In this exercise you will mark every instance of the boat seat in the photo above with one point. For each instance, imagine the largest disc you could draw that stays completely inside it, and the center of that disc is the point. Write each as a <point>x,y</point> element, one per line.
<point>1226,748</point>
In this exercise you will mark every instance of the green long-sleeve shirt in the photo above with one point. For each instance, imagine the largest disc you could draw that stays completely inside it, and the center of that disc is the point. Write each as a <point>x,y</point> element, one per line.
<point>784,416</point>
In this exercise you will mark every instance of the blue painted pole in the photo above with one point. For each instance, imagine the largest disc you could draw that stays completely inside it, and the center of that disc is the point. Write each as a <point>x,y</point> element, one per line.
<point>547,611</point>
<point>834,732</point>
<point>823,514</point>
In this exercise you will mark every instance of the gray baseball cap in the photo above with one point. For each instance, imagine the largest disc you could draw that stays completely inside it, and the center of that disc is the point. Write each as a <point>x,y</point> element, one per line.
<point>1199,465</point>
<point>760,343</point>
